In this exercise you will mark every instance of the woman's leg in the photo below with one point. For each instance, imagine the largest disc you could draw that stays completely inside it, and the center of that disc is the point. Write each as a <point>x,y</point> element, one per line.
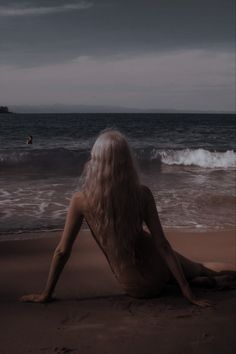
<point>224,274</point>
<point>207,274</point>
<point>194,269</point>
<point>220,275</point>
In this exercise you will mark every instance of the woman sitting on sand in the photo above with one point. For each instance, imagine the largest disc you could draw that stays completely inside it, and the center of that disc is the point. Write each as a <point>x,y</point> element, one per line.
<point>116,207</point>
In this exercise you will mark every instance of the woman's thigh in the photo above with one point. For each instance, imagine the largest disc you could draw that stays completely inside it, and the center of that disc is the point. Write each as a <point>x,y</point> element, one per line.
<point>195,269</point>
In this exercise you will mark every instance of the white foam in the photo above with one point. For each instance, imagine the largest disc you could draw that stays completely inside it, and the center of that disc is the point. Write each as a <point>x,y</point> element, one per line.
<point>198,157</point>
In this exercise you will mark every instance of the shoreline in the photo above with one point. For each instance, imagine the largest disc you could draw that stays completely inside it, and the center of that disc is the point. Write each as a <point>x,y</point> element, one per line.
<point>24,235</point>
<point>191,243</point>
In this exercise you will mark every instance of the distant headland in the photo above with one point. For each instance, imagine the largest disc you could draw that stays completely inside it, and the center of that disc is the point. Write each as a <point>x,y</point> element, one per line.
<point>4,109</point>
<point>82,108</point>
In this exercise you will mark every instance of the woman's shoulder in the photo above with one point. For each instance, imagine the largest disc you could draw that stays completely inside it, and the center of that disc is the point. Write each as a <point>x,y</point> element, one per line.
<point>78,199</point>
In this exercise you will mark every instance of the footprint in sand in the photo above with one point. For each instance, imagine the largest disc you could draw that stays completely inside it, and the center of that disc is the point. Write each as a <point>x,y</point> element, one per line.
<point>58,350</point>
<point>63,350</point>
<point>70,322</point>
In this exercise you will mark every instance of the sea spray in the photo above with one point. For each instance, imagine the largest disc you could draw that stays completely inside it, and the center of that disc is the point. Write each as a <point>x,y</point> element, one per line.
<point>197,157</point>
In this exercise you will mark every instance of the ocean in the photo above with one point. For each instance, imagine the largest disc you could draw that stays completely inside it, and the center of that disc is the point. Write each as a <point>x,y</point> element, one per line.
<point>188,161</point>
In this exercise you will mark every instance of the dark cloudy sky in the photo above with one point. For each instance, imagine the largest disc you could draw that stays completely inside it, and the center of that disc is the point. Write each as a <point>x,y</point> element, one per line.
<point>176,54</point>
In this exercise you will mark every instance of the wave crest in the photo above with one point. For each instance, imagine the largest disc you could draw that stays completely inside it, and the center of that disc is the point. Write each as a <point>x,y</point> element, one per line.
<point>59,160</point>
<point>197,157</point>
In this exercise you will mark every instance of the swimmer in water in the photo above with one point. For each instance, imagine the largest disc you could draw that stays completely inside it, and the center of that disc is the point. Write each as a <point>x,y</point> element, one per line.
<point>29,140</point>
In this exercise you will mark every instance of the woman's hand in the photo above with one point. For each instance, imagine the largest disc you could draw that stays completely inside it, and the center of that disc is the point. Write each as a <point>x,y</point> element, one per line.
<point>200,302</point>
<point>188,294</point>
<point>39,298</point>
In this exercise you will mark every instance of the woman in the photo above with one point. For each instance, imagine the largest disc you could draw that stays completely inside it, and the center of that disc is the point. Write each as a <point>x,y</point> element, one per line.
<point>116,207</point>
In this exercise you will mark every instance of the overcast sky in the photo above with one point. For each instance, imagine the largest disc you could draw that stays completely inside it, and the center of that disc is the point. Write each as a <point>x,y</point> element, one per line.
<point>164,54</point>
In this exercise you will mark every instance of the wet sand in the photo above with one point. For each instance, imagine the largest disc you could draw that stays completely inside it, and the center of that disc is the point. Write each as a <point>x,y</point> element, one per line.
<point>93,315</point>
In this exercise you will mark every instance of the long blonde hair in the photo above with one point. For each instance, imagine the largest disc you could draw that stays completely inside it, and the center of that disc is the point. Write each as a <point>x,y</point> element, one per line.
<point>112,189</point>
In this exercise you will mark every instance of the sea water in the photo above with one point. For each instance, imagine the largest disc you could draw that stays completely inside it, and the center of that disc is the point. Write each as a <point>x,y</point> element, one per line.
<point>188,161</point>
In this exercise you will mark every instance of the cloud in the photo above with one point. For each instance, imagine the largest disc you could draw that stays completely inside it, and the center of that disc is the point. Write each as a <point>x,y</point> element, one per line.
<point>111,28</point>
<point>26,10</point>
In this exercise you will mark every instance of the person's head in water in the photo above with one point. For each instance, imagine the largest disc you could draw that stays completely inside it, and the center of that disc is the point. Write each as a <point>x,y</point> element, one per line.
<point>29,139</point>
<point>111,185</point>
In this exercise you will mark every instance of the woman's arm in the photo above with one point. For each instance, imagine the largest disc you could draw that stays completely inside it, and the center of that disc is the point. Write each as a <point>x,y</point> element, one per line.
<point>63,250</point>
<point>153,222</point>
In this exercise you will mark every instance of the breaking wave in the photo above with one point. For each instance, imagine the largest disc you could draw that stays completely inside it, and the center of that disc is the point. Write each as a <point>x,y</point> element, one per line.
<point>196,157</point>
<point>59,160</point>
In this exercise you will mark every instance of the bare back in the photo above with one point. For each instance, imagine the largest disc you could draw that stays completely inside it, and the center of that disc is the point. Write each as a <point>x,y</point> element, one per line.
<point>141,276</point>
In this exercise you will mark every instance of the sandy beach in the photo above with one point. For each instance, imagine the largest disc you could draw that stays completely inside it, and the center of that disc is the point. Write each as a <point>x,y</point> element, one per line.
<point>93,315</point>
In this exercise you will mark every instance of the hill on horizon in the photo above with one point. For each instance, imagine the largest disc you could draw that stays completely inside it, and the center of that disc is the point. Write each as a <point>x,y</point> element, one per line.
<point>74,108</point>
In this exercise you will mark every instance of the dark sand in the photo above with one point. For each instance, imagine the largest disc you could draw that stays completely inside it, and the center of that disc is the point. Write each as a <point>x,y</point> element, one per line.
<point>93,315</point>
